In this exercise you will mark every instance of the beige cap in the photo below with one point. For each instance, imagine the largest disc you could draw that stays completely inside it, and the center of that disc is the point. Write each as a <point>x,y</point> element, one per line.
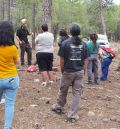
<point>24,21</point>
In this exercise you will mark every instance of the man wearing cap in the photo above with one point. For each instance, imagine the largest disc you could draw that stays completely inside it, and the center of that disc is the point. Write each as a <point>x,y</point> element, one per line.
<point>22,38</point>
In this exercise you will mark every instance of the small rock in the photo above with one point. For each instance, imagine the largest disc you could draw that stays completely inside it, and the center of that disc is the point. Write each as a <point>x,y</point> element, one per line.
<point>108,98</point>
<point>113,128</point>
<point>105,120</point>
<point>36,80</point>
<point>100,115</point>
<point>118,120</point>
<point>36,126</point>
<point>98,96</point>
<point>49,88</point>
<point>118,96</point>
<point>33,105</point>
<point>45,98</point>
<point>90,113</point>
<point>38,91</point>
<point>113,119</point>
<point>21,109</point>
<point>48,102</point>
<point>83,98</point>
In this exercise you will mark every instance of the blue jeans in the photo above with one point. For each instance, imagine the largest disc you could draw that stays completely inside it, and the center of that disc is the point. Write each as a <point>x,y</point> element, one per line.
<point>9,87</point>
<point>105,67</point>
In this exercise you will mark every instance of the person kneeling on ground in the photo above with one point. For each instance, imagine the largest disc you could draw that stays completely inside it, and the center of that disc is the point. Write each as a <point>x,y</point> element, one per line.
<point>9,80</point>
<point>73,56</point>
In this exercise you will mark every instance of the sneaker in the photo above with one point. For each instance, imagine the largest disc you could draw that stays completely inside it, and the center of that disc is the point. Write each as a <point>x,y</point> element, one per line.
<point>2,101</point>
<point>50,82</point>
<point>73,119</point>
<point>44,84</point>
<point>57,109</point>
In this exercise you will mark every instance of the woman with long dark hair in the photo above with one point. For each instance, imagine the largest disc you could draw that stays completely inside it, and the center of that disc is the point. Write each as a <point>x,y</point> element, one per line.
<point>63,36</point>
<point>9,80</point>
<point>73,56</point>
<point>93,48</point>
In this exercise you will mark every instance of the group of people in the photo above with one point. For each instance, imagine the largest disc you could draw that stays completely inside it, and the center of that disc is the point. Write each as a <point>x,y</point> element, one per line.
<point>76,58</point>
<point>9,57</point>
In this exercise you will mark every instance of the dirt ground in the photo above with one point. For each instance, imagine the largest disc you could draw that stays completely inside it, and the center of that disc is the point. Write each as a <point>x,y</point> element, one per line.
<point>99,108</point>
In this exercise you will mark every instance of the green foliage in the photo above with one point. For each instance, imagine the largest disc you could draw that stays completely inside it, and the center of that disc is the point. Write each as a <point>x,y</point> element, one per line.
<point>64,12</point>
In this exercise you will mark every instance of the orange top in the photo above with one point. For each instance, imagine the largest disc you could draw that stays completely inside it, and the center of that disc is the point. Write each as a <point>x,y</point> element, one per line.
<point>8,57</point>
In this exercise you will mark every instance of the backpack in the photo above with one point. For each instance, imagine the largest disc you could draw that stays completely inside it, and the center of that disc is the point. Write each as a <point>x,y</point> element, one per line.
<point>32,68</point>
<point>109,51</point>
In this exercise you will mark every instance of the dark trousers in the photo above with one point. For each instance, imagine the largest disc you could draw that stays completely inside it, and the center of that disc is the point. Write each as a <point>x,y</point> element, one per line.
<point>26,48</point>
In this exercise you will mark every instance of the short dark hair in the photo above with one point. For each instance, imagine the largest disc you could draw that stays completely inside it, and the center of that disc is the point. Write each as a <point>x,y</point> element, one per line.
<point>6,33</point>
<point>75,29</point>
<point>44,27</point>
<point>63,32</point>
<point>75,32</point>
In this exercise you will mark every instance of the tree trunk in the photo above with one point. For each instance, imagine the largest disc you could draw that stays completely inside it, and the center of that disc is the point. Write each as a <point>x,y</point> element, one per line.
<point>9,14</point>
<point>11,3</point>
<point>33,23</point>
<point>2,10</point>
<point>103,23</point>
<point>102,19</point>
<point>47,13</point>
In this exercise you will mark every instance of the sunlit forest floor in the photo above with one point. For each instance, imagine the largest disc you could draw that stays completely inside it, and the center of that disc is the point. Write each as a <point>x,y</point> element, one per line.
<point>99,108</point>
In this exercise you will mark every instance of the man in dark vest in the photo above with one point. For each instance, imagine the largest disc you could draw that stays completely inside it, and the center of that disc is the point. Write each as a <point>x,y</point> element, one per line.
<point>22,37</point>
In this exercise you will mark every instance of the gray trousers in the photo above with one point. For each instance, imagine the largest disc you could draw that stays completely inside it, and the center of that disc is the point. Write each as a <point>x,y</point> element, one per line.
<point>76,80</point>
<point>92,68</point>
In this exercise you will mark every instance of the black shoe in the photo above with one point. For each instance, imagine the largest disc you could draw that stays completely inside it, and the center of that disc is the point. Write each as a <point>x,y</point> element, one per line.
<point>89,83</point>
<point>73,120</point>
<point>57,110</point>
<point>96,82</point>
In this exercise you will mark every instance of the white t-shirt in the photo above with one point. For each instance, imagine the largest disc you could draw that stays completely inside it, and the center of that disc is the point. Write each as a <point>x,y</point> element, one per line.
<point>104,53</point>
<point>44,42</point>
